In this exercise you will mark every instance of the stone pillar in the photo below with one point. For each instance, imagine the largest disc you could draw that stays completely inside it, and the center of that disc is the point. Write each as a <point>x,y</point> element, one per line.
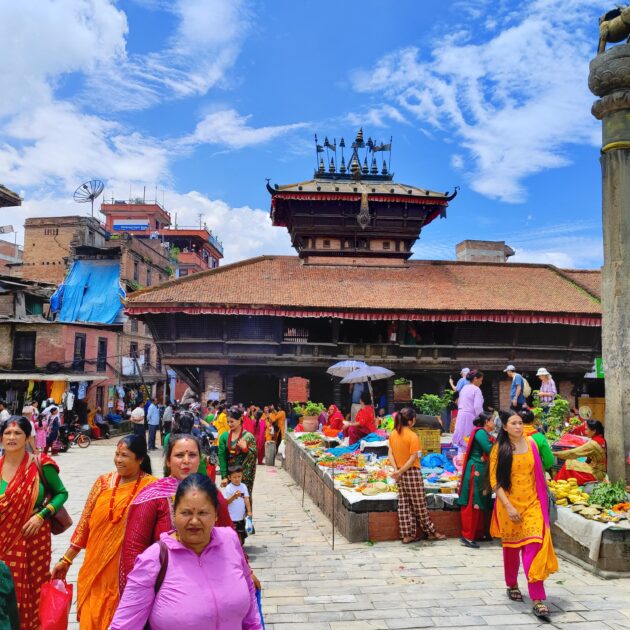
<point>390,395</point>
<point>284,391</point>
<point>610,80</point>
<point>337,393</point>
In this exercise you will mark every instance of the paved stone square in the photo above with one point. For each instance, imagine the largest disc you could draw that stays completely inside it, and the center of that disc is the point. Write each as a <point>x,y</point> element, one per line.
<point>307,585</point>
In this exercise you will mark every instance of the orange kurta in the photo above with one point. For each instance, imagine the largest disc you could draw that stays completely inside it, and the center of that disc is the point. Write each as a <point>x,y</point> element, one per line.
<point>523,497</point>
<point>97,585</point>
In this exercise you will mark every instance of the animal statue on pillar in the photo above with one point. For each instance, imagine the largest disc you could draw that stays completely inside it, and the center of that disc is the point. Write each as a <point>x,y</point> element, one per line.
<point>614,26</point>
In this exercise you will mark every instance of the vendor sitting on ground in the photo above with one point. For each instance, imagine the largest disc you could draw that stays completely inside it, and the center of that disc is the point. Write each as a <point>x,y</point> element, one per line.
<point>334,422</point>
<point>594,468</point>
<point>364,423</point>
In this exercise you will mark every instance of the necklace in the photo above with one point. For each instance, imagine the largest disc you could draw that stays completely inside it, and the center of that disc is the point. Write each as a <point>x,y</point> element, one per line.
<point>232,449</point>
<point>115,521</point>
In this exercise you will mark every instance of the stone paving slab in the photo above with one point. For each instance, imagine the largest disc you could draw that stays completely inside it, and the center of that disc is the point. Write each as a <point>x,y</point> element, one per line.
<point>309,586</point>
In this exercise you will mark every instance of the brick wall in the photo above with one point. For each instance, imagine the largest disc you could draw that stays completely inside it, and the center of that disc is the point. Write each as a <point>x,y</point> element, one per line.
<point>298,389</point>
<point>48,243</point>
<point>7,305</point>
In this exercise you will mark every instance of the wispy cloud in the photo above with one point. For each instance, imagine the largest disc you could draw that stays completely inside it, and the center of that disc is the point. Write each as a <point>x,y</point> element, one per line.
<point>230,129</point>
<point>515,99</point>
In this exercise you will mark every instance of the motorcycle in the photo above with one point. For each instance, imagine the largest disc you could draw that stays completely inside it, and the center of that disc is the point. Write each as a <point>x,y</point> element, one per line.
<point>70,434</point>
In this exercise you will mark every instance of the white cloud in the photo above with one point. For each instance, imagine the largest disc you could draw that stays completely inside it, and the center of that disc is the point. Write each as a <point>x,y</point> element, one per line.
<point>230,129</point>
<point>376,116</point>
<point>515,101</point>
<point>204,46</point>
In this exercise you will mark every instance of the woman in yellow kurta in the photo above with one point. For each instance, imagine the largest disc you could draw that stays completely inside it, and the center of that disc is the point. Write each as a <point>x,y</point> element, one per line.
<point>521,517</point>
<point>101,531</point>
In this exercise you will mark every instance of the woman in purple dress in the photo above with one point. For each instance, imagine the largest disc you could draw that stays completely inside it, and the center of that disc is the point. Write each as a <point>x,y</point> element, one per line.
<point>470,405</point>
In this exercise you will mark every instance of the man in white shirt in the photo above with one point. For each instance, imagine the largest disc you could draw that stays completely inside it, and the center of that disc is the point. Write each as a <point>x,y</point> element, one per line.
<point>4,414</point>
<point>137,420</point>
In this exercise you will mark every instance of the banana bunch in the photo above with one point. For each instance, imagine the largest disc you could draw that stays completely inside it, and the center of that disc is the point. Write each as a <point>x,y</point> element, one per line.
<point>567,492</point>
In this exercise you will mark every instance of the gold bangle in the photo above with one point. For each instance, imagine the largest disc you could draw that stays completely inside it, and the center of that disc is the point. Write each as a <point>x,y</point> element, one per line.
<point>40,516</point>
<point>65,559</point>
<point>51,508</point>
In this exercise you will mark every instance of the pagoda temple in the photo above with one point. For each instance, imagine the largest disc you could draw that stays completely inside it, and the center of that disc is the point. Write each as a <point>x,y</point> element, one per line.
<point>354,292</point>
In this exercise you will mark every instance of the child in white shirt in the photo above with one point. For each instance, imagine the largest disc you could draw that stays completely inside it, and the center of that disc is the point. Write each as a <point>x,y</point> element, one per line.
<point>237,497</point>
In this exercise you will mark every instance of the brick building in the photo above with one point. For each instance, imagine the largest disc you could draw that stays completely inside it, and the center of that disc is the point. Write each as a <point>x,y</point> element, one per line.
<point>53,244</point>
<point>192,249</point>
<point>36,352</point>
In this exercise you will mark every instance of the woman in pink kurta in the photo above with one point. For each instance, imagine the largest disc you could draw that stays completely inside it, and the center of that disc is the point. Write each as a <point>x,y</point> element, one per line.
<point>470,405</point>
<point>207,584</point>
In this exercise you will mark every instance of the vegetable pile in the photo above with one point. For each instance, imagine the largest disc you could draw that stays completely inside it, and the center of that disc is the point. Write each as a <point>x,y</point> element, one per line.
<point>608,494</point>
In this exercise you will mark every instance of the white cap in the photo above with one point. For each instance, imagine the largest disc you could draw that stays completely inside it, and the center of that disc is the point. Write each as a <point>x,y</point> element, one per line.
<point>510,368</point>
<point>465,371</point>
<point>542,372</point>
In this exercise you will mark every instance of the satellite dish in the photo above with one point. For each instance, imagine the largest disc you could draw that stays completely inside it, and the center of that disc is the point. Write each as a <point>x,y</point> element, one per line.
<point>88,192</point>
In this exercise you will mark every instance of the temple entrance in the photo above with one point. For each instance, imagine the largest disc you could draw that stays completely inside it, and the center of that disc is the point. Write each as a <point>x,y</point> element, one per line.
<point>254,388</point>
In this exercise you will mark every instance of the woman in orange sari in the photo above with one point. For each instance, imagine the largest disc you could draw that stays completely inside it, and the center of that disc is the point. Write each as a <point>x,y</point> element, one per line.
<point>25,513</point>
<point>101,531</point>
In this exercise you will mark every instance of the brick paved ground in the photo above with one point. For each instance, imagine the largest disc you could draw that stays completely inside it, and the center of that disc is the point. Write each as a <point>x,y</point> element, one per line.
<point>308,586</point>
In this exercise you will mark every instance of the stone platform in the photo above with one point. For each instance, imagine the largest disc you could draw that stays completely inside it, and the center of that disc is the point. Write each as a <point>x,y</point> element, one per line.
<point>368,520</point>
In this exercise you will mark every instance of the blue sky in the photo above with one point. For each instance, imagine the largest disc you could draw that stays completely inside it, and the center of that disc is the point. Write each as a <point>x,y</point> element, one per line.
<point>204,99</point>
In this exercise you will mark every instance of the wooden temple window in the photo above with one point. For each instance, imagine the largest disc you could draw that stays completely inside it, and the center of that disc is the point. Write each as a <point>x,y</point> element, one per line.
<point>252,329</point>
<point>326,243</point>
<point>386,245</point>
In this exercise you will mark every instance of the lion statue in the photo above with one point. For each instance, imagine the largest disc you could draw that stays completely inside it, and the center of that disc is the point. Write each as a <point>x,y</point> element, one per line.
<point>614,26</point>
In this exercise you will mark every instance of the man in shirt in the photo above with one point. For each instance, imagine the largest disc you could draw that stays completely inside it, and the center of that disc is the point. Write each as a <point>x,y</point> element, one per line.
<point>167,419</point>
<point>137,420</point>
<point>153,420</point>
<point>357,390</point>
<point>461,382</point>
<point>517,398</point>
<point>4,414</point>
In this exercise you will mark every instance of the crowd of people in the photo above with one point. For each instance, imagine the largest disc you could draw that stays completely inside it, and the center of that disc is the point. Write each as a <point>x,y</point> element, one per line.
<point>147,542</point>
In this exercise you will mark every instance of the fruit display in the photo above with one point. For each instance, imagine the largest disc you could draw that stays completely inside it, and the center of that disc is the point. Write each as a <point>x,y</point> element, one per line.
<point>568,492</point>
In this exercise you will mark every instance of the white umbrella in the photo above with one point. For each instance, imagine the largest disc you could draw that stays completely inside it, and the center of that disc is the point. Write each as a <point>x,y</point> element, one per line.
<point>368,374</point>
<point>343,368</point>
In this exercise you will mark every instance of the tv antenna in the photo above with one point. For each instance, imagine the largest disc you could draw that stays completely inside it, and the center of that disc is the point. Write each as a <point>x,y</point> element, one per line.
<point>89,191</point>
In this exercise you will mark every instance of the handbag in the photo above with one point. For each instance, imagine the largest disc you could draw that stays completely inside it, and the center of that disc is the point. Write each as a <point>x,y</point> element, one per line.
<point>161,573</point>
<point>60,521</point>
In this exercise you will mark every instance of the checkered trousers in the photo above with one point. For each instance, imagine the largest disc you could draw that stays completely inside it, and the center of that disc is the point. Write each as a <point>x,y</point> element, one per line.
<point>412,505</point>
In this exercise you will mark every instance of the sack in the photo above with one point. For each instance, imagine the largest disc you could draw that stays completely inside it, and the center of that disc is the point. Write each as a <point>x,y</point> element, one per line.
<point>527,388</point>
<point>161,573</point>
<point>54,605</point>
<point>60,521</point>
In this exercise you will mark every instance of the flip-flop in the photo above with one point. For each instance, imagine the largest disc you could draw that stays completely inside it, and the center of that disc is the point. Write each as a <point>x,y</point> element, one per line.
<point>468,543</point>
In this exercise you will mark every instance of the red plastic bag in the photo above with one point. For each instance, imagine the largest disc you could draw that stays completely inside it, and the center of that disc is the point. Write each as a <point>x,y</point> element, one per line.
<point>54,605</point>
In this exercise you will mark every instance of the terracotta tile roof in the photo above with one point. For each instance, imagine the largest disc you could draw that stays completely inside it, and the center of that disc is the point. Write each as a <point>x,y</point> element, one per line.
<point>279,283</point>
<point>589,279</point>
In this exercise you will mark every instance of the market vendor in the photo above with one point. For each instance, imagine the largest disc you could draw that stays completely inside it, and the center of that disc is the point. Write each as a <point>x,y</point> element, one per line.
<point>594,468</point>
<point>475,495</point>
<point>334,422</point>
<point>530,430</point>
<point>364,423</point>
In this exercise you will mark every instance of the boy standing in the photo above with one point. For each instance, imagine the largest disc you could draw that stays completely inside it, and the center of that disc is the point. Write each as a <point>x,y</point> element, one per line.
<point>238,501</point>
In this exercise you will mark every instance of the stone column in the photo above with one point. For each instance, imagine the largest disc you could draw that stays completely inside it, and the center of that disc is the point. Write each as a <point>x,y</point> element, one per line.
<point>610,80</point>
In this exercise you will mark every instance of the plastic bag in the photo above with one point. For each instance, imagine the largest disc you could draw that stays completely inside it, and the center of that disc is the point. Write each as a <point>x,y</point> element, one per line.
<point>249,525</point>
<point>54,605</point>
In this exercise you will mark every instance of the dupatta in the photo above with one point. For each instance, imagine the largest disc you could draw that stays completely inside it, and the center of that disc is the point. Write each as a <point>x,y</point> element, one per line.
<point>545,562</point>
<point>469,446</point>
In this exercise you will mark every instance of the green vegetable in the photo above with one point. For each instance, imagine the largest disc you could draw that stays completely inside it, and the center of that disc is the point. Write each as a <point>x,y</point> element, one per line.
<point>309,409</point>
<point>432,404</point>
<point>608,494</point>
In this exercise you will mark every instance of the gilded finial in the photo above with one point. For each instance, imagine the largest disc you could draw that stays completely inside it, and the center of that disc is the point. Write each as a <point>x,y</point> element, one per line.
<point>384,171</point>
<point>331,168</point>
<point>342,168</point>
<point>374,168</point>
<point>365,169</point>
<point>322,167</point>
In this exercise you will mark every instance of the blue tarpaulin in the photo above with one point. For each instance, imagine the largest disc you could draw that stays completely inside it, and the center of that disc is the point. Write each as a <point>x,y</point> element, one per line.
<point>91,292</point>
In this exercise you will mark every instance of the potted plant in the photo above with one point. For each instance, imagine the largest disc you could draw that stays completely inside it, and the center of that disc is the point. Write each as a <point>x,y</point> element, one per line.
<point>431,407</point>
<point>403,391</point>
<point>309,413</point>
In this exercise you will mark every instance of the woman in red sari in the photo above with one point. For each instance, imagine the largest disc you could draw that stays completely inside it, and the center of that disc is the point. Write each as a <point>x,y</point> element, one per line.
<point>151,513</point>
<point>334,422</point>
<point>25,517</point>
<point>365,421</point>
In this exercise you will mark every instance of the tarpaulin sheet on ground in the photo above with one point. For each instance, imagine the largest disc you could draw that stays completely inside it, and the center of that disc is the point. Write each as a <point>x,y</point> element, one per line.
<point>91,292</point>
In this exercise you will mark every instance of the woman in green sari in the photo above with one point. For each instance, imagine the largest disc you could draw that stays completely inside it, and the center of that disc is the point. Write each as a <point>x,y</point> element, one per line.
<point>237,447</point>
<point>475,496</point>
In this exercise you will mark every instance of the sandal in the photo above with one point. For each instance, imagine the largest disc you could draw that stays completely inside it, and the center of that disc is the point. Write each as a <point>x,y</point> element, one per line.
<point>541,611</point>
<point>514,593</point>
<point>408,541</point>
